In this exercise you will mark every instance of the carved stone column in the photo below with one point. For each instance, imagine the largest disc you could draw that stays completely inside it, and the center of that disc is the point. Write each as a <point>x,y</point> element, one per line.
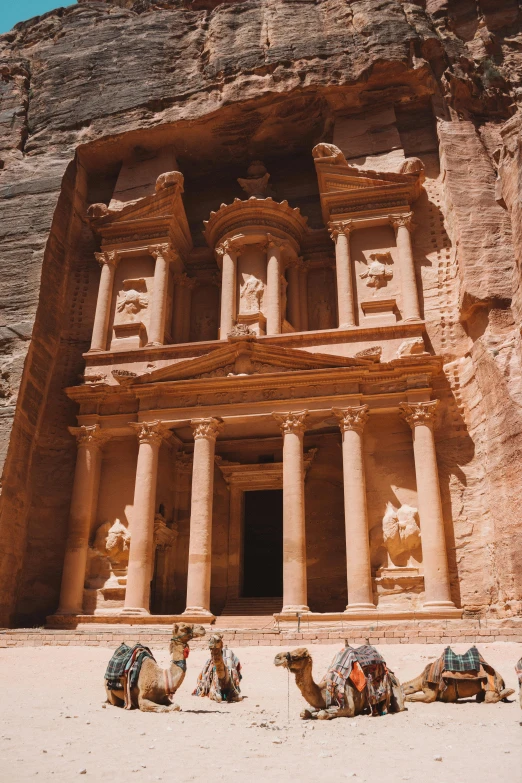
<point>303,296</point>
<point>159,301</point>
<point>273,287</point>
<point>340,233</point>
<point>139,572</point>
<point>84,502</point>
<point>200,546</point>
<point>421,418</point>
<point>358,565</point>
<point>100,336</point>
<point>294,531</point>
<point>294,313</point>
<point>410,295</point>
<point>228,288</point>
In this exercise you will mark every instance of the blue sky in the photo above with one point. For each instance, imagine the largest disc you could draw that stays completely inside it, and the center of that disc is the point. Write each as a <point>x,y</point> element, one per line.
<point>13,11</point>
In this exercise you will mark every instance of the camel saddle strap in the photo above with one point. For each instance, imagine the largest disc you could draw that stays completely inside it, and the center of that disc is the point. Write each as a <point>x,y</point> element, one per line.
<point>169,686</point>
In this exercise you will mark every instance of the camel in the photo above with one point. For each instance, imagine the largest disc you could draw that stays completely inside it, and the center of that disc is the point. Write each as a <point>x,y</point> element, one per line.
<point>299,662</point>
<point>518,669</point>
<point>155,686</point>
<point>420,689</point>
<point>219,678</point>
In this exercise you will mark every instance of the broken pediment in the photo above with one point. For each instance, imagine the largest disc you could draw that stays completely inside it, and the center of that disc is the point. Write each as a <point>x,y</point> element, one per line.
<point>347,190</point>
<point>157,217</point>
<point>244,357</point>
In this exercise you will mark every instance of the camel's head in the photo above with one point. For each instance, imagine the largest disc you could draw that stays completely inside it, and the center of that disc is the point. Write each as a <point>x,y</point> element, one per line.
<point>294,660</point>
<point>183,633</point>
<point>215,642</point>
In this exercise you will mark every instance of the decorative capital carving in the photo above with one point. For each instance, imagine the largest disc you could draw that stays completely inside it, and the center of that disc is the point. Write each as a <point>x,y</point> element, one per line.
<point>344,228</point>
<point>169,180</point>
<point>291,422</point>
<point>159,250</point>
<point>184,280</point>
<point>417,413</point>
<point>230,247</point>
<point>109,257</point>
<point>89,435</point>
<point>273,241</point>
<point>241,330</point>
<point>353,418</point>
<point>206,428</point>
<point>402,220</point>
<point>149,431</point>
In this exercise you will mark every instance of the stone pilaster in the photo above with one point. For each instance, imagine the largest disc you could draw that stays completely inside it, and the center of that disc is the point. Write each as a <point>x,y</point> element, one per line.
<point>358,564</point>
<point>421,418</point>
<point>100,331</point>
<point>410,296</point>
<point>340,233</point>
<point>294,532</point>
<point>90,440</point>
<point>200,546</point>
<point>158,314</point>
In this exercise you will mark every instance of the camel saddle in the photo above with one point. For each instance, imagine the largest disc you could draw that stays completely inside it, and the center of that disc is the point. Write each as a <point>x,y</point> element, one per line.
<point>470,666</point>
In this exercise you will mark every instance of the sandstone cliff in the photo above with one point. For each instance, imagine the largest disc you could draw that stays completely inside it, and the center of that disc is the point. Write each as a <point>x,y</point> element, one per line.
<point>80,87</point>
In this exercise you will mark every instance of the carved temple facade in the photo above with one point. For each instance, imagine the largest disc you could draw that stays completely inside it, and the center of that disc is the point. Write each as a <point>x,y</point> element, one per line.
<point>257,421</point>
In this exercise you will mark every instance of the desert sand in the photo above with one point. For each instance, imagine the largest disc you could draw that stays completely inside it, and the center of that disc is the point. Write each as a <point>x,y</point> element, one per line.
<point>54,725</point>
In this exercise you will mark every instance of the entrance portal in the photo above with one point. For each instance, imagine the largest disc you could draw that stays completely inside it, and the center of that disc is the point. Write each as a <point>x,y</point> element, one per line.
<point>263,544</point>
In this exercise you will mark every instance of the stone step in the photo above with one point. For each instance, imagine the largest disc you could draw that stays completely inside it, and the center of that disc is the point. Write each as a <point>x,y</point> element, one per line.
<point>237,607</point>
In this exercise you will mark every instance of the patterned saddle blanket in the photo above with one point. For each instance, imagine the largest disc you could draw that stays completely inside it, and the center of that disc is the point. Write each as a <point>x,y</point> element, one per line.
<point>366,668</point>
<point>469,666</point>
<point>208,680</point>
<point>124,669</point>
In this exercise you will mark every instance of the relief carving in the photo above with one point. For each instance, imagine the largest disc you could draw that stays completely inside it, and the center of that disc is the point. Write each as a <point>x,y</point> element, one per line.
<point>377,275</point>
<point>241,330</point>
<point>113,541</point>
<point>255,184</point>
<point>413,346</point>
<point>328,153</point>
<point>132,299</point>
<point>401,531</point>
<point>251,293</point>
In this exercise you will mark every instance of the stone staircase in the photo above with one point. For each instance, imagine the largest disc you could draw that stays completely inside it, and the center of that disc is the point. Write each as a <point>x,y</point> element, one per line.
<point>252,607</point>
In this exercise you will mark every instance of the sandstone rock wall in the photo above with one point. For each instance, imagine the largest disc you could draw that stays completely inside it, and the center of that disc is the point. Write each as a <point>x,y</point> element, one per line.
<point>81,87</point>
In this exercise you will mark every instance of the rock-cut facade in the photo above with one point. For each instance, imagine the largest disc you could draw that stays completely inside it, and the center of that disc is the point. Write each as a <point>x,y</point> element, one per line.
<point>260,336</point>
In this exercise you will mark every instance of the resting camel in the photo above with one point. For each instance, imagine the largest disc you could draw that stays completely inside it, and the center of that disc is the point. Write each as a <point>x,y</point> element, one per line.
<point>150,693</point>
<point>219,678</point>
<point>420,689</point>
<point>299,662</point>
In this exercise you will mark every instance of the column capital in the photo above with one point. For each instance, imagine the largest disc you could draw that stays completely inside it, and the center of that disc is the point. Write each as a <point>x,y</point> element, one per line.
<point>89,435</point>
<point>229,247</point>
<point>273,241</point>
<point>417,413</point>
<point>163,250</point>
<point>108,257</point>
<point>291,422</point>
<point>405,219</point>
<point>352,418</point>
<point>149,431</point>
<point>344,227</point>
<point>207,428</point>
<point>184,280</point>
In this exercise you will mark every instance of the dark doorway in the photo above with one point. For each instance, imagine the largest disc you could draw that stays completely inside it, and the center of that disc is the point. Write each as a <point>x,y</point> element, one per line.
<point>263,544</point>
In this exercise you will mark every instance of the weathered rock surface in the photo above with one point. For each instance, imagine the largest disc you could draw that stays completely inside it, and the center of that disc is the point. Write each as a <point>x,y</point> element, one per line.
<point>81,87</point>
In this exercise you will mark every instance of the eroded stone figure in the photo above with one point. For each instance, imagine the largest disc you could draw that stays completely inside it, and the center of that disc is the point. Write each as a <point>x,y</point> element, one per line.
<point>401,531</point>
<point>377,274</point>
<point>132,299</point>
<point>251,294</point>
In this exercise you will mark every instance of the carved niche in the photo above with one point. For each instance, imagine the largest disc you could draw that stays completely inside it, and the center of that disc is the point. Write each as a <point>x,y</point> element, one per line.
<point>401,532</point>
<point>378,274</point>
<point>132,299</point>
<point>321,307</point>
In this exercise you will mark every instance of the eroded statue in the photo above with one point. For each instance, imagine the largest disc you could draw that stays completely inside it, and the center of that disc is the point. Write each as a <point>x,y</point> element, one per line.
<point>401,531</point>
<point>113,541</point>
<point>251,294</point>
<point>132,299</point>
<point>377,274</point>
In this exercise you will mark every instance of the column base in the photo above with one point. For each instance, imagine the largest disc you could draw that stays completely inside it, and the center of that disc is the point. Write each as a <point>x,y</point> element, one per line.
<point>95,350</point>
<point>134,611</point>
<point>153,345</point>
<point>438,605</point>
<point>68,612</point>
<point>295,609</point>
<point>362,607</point>
<point>346,326</point>
<point>199,612</point>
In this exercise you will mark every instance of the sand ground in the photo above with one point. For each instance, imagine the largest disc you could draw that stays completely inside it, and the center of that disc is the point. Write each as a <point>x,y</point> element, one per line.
<point>53,725</point>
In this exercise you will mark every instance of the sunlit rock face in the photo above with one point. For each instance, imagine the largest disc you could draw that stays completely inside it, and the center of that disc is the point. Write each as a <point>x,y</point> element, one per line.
<point>161,131</point>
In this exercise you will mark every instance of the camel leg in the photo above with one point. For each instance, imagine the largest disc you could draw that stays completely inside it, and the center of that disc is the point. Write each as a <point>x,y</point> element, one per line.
<point>113,699</point>
<point>493,697</point>
<point>427,697</point>
<point>146,705</point>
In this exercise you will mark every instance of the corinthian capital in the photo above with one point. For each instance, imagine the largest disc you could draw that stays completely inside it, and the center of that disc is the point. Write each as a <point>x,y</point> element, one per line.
<point>292,422</point>
<point>109,257</point>
<point>417,413</point>
<point>344,227</point>
<point>149,431</point>
<point>89,435</point>
<point>230,247</point>
<point>162,250</point>
<point>402,220</point>
<point>353,418</point>
<point>206,428</point>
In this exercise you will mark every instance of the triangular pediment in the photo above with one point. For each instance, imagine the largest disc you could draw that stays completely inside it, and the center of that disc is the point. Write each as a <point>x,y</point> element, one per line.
<point>238,358</point>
